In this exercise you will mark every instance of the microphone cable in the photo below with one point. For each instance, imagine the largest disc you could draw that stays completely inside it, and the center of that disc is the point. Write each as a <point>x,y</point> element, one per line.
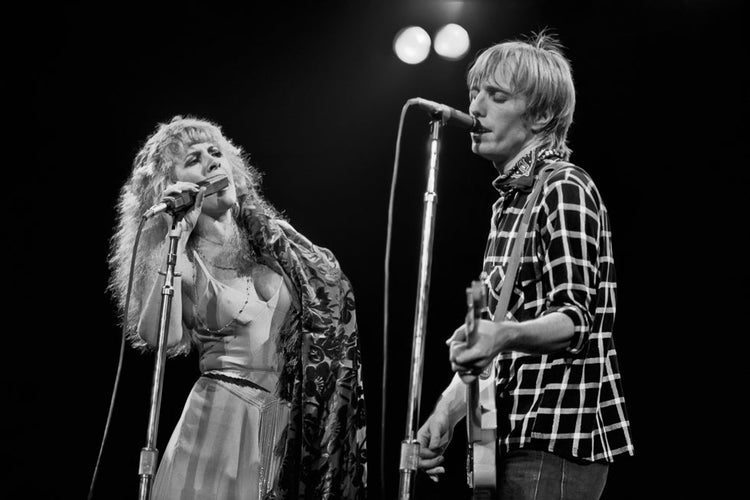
<point>119,362</point>
<point>386,273</point>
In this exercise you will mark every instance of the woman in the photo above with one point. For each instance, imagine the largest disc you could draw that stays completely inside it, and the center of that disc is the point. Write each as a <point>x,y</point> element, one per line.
<point>278,411</point>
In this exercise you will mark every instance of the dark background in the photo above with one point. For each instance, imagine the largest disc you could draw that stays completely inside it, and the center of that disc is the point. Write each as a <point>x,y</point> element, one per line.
<point>314,92</point>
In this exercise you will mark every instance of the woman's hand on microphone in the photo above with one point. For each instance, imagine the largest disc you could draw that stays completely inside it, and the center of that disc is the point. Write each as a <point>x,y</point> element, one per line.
<point>191,216</point>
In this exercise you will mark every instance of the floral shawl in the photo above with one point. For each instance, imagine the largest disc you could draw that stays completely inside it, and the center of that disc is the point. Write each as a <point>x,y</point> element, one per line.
<point>325,448</point>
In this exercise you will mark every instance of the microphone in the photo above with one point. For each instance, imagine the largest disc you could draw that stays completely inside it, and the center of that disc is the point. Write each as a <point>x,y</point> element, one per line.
<point>450,116</point>
<point>186,199</point>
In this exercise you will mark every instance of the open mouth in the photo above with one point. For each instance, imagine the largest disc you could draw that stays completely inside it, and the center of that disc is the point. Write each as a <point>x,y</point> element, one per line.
<point>479,130</point>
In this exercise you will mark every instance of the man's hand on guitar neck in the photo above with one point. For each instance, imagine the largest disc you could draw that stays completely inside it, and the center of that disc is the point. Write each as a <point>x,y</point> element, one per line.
<point>469,361</point>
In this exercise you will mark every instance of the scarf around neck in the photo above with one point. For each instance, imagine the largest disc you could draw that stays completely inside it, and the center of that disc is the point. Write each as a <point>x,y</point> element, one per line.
<point>521,175</point>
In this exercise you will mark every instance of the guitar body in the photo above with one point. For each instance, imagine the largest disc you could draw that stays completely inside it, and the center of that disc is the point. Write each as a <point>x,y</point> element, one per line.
<point>481,412</point>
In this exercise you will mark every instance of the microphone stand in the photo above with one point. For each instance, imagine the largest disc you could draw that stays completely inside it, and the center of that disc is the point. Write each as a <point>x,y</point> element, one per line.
<point>149,453</point>
<point>410,445</point>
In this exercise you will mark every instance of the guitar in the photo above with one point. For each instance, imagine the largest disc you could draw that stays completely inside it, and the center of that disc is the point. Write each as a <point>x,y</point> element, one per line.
<point>481,413</point>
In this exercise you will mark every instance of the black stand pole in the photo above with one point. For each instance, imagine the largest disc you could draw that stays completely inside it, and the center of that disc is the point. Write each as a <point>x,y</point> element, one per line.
<point>410,446</point>
<point>149,453</point>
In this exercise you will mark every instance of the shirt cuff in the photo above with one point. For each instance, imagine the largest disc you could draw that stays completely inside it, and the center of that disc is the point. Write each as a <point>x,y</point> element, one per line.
<point>580,327</point>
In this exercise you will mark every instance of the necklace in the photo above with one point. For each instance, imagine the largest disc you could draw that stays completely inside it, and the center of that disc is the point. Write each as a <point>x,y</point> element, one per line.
<point>248,283</point>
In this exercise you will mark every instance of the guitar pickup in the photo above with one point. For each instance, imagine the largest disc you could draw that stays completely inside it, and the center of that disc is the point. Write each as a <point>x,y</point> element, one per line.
<point>489,418</point>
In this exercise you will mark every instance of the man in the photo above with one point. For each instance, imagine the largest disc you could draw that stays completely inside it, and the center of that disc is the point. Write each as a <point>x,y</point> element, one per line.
<point>561,413</point>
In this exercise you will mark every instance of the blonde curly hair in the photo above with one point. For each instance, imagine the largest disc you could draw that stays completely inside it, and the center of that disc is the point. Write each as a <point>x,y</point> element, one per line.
<point>153,170</point>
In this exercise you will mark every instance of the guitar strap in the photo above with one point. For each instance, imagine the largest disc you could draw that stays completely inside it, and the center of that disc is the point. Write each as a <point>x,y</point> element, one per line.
<point>509,280</point>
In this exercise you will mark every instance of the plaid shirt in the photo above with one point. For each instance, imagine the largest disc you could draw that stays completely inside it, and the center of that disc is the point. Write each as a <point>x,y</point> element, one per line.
<point>570,402</point>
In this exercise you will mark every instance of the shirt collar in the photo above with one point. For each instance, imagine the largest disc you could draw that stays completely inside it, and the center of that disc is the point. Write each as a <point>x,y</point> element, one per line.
<point>521,175</point>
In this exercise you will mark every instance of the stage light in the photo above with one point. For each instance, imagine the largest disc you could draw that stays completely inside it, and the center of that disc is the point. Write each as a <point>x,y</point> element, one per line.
<point>412,45</point>
<point>452,42</point>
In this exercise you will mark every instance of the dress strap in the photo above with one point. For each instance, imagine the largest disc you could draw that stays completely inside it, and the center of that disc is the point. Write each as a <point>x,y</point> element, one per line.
<point>200,262</point>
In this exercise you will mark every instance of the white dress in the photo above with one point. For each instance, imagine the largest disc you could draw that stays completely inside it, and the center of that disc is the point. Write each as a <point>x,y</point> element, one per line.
<point>227,443</point>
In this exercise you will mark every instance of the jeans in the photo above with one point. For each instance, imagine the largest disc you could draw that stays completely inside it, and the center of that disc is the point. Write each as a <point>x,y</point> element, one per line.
<point>540,475</point>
